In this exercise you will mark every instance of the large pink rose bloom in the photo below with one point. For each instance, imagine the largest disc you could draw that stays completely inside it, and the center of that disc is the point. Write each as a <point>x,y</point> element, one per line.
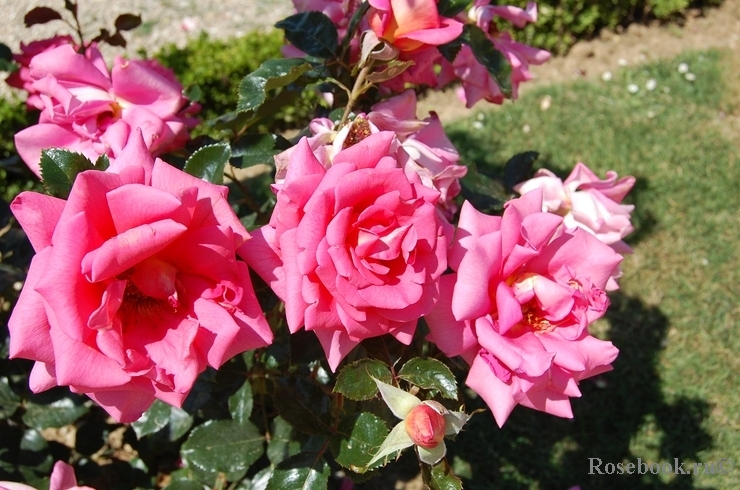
<point>355,250</point>
<point>91,110</point>
<point>588,202</point>
<point>135,287</point>
<point>411,24</point>
<point>62,478</point>
<point>519,304</point>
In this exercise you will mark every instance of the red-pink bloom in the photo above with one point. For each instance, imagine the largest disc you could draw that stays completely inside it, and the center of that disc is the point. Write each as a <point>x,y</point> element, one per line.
<point>21,78</point>
<point>135,287</point>
<point>88,109</point>
<point>355,250</point>
<point>518,307</point>
<point>411,24</point>
<point>62,478</point>
<point>587,202</point>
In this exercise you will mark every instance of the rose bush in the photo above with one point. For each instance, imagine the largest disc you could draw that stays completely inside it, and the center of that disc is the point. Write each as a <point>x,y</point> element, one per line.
<point>356,250</point>
<point>135,287</point>
<point>519,305</point>
<point>94,111</point>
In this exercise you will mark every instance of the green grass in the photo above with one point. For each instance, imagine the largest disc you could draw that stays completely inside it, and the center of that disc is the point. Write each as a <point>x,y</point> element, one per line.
<point>674,389</point>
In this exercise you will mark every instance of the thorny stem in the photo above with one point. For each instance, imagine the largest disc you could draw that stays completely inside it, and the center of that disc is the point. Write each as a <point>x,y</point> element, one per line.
<point>358,89</point>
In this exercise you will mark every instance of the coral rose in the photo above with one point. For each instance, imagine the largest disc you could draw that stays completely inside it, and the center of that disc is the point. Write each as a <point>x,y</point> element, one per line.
<point>93,111</point>
<point>135,287</point>
<point>356,250</point>
<point>518,307</point>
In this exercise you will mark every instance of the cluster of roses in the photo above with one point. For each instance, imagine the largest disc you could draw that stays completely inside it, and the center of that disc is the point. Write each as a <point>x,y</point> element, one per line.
<point>141,277</point>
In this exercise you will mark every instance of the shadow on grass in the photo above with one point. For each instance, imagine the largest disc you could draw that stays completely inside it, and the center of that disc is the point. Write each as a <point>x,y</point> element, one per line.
<point>622,415</point>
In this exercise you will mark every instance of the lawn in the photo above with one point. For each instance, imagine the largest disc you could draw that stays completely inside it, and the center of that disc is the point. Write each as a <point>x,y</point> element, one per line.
<point>674,389</point>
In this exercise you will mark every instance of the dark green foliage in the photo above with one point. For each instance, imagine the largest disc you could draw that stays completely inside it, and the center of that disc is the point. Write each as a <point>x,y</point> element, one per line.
<point>217,67</point>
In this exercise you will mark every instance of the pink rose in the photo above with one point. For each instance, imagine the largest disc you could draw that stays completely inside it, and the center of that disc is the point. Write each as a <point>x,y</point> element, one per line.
<point>356,250</point>
<point>21,79</point>
<point>518,307</point>
<point>411,24</point>
<point>87,109</point>
<point>62,478</point>
<point>135,286</point>
<point>587,202</point>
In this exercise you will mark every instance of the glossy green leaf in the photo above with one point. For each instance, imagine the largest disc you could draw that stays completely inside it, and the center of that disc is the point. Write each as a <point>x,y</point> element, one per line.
<point>303,404</point>
<point>59,169</point>
<point>486,194</point>
<point>184,485</point>
<point>283,443</point>
<point>450,8</point>
<point>223,446</point>
<point>102,163</point>
<point>490,57</point>
<point>9,401</point>
<point>270,75</point>
<point>241,402</point>
<point>153,420</point>
<point>6,59</point>
<point>518,167</point>
<point>312,32</point>
<point>304,471</point>
<point>357,439</point>
<point>253,149</point>
<point>57,414</point>
<point>354,23</point>
<point>430,374</point>
<point>355,381</point>
<point>180,422</point>
<point>208,162</point>
<point>257,482</point>
<point>441,477</point>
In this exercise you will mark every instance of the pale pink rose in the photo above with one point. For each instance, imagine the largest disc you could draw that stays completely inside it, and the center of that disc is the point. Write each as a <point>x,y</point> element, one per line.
<point>355,251</point>
<point>411,24</point>
<point>519,304</point>
<point>587,202</point>
<point>62,478</point>
<point>135,287</point>
<point>482,13</point>
<point>21,78</point>
<point>93,111</point>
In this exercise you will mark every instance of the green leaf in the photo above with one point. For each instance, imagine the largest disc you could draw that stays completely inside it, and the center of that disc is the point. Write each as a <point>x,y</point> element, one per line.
<point>253,149</point>
<point>208,162</point>
<point>270,75</point>
<point>241,402</point>
<point>486,194</point>
<point>357,439</point>
<point>304,471</point>
<point>184,485</point>
<point>442,478</point>
<point>223,446</point>
<point>312,32</point>
<point>102,163</point>
<point>9,401</point>
<point>303,404</point>
<point>57,414</point>
<point>153,420</point>
<point>354,23</point>
<point>6,59</point>
<point>180,422</point>
<point>282,443</point>
<point>394,68</point>
<point>355,381</point>
<point>59,169</point>
<point>258,481</point>
<point>518,167</point>
<point>41,15</point>
<point>430,374</point>
<point>450,8</point>
<point>126,22</point>
<point>490,57</point>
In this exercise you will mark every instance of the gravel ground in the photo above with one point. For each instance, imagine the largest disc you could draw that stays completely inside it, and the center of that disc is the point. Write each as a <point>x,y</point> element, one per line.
<point>163,21</point>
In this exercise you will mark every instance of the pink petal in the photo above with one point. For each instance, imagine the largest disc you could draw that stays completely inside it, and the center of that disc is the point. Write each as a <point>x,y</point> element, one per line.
<point>38,215</point>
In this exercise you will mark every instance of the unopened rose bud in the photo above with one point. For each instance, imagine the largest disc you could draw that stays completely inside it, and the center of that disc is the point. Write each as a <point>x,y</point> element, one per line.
<point>425,426</point>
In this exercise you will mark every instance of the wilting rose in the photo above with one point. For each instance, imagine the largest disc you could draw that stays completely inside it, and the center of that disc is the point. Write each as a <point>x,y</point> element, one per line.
<point>135,287</point>
<point>21,78</point>
<point>519,304</point>
<point>62,478</point>
<point>355,250</point>
<point>587,202</point>
<point>411,24</point>
<point>91,110</point>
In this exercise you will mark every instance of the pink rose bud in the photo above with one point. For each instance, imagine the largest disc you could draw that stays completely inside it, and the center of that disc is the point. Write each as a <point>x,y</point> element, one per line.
<point>425,426</point>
